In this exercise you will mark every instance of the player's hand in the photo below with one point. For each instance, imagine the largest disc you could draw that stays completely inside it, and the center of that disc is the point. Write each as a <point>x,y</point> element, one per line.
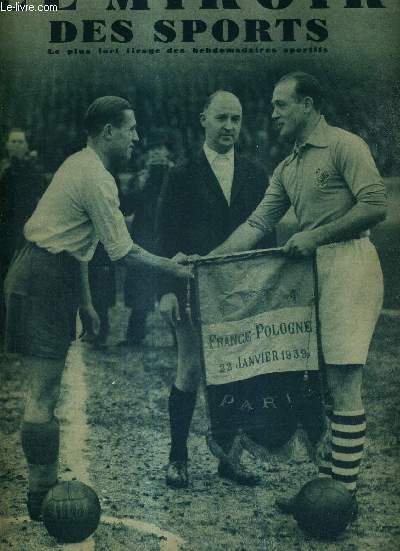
<point>193,258</point>
<point>303,243</point>
<point>182,258</point>
<point>90,322</point>
<point>178,270</point>
<point>169,308</point>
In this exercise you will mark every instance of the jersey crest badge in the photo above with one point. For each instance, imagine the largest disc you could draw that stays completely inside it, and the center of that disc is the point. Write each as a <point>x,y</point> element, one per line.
<point>321,178</point>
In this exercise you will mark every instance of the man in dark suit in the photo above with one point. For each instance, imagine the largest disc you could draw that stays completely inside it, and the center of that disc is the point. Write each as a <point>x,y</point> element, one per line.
<point>202,202</point>
<point>21,185</point>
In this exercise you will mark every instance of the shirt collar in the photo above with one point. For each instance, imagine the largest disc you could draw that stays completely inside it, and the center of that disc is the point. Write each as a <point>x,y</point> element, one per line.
<point>95,156</point>
<point>317,138</point>
<point>90,151</point>
<point>212,155</point>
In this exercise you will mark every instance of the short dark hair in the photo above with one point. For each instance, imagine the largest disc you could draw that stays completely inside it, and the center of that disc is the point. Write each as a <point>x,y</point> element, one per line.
<point>210,98</point>
<point>306,86</point>
<point>105,110</point>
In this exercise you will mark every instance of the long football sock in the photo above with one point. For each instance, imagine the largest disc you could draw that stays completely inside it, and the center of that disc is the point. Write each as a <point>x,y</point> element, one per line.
<point>42,477</point>
<point>348,438</point>
<point>40,442</point>
<point>181,406</point>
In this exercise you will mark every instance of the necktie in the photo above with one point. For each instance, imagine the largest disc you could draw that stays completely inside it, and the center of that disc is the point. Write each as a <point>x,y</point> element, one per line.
<point>223,171</point>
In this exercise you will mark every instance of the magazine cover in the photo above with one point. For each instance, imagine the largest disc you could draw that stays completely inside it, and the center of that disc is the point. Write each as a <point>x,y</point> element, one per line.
<point>152,398</point>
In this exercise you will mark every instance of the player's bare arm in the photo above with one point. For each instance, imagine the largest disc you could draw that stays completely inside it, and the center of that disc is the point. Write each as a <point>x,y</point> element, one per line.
<point>140,257</point>
<point>244,238</point>
<point>92,322</point>
<point>361,217</point>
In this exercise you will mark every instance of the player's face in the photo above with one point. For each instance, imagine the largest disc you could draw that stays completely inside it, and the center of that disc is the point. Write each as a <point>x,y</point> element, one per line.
<point>17,145</point>
<point>288,110</point>
<point>124,137</point>
<point>222,121</point>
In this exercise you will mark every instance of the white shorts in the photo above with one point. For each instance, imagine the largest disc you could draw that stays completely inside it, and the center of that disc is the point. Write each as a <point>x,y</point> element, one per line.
<point>350,285</point>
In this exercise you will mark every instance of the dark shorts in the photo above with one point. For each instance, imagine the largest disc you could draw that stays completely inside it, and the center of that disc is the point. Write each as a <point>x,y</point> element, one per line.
<point>41,293</point>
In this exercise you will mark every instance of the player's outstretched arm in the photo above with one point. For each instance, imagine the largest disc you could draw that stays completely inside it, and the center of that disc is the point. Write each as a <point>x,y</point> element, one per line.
<point>244,238</point>
<point>140,257</point>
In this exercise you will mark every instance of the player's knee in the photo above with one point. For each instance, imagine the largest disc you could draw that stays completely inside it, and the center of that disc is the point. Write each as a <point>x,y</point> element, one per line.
<point>345,386</point>
<point>41,442</point>
<point>187,385</point>
<point>348,399</point>
<point>41,403</point>
<point>47,389</point>
<point>188,380</point>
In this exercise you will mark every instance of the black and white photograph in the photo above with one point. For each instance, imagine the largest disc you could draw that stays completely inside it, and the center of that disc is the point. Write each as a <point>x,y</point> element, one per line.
<point>200,275</point>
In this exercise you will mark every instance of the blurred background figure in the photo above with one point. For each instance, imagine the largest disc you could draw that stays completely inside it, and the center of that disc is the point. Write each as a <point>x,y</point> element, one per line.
<point>140,198</point>
<point>21,185</point>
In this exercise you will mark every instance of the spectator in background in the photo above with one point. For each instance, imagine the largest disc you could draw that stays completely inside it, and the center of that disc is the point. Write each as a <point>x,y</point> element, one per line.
<point>21,186</point>
<point>142,200</point>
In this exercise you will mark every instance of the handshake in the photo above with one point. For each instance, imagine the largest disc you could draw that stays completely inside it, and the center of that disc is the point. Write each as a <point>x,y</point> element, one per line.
<point>169,305</point>
<point>181,265</point>
<point>182,258</point>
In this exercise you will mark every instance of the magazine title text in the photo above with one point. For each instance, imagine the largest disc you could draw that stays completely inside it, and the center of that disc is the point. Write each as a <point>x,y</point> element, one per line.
<point>275,27</point>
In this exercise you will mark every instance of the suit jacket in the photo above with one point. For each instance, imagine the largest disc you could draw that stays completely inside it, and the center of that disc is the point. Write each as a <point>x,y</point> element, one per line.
<point>21,186</point>
<point>194,216</point>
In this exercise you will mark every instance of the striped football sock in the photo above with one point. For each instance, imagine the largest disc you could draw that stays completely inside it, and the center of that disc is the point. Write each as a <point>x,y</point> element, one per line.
<point>348,438</point>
